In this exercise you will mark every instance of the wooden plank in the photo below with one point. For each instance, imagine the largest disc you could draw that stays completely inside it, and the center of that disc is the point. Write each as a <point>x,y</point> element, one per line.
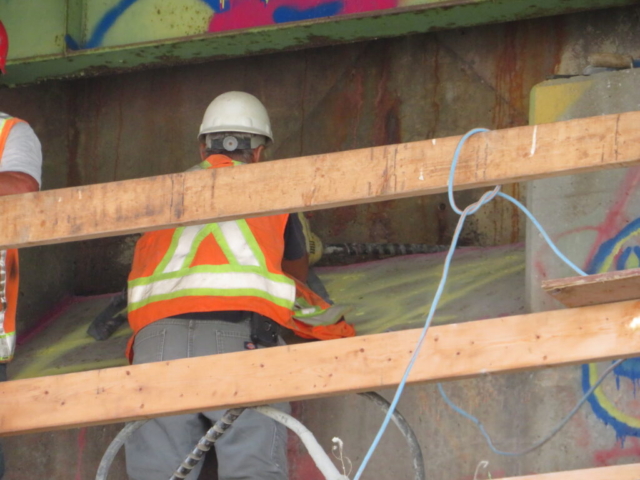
<point>616,472</point>
<point>319,369</point>
<point>606,287</point>
<point>320,181</point>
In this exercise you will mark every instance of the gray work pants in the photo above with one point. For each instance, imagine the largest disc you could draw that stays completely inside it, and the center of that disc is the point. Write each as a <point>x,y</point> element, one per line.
<point>254,448</point>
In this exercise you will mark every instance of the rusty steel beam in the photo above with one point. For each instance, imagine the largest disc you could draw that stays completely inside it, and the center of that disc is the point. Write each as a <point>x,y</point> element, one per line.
<point>40,61</point>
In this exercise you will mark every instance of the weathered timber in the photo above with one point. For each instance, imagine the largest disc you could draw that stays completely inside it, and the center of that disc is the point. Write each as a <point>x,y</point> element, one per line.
<point>606,287</point>
<point>319,369</point>
<point>320,181</point>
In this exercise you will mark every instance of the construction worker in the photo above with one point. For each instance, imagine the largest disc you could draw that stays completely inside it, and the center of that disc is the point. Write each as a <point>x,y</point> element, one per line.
<point>220,288</point>
<point>20,172</point>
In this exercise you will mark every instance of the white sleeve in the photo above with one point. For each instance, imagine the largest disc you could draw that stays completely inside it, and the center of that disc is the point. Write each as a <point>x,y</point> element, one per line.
<point>22,152</point>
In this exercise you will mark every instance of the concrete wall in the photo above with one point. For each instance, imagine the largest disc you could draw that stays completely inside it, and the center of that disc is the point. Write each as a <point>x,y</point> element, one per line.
<point>325,100</point>
<point>593,217</point>
<point>322,100</point>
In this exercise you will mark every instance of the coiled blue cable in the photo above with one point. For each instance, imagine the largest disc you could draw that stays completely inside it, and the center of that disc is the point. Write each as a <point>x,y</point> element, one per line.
<point>470,210</point>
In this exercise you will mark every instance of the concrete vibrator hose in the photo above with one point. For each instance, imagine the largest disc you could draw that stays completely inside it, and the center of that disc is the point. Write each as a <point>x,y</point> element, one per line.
<point>322,460</point>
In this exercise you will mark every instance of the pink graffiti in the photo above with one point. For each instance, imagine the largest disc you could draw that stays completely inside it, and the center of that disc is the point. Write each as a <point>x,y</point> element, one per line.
<point>612,456</point>
<point>613,222</point>
<point>616,217</point>
<point>301,465</point>
<point>82,443</point>
<point>240,14</point>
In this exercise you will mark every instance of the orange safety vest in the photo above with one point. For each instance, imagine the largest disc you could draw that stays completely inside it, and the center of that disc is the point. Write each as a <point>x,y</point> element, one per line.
<point>8,274</point>
<point>234,265</point>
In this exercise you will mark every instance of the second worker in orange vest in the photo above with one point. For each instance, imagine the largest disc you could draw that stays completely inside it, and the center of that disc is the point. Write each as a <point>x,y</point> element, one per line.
<point>219,288</point>
<point>20,172</point>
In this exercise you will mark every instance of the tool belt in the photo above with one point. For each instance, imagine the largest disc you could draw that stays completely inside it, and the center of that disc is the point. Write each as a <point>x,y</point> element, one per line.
<point>264,331</point>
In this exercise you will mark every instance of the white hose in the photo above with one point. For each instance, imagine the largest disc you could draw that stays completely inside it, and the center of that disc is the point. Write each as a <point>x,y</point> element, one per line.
<point>321,459</point>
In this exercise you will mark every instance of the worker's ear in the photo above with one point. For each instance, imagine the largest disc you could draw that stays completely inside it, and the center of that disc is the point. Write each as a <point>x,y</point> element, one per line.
<point>257,154</point>
<point>203,153</point>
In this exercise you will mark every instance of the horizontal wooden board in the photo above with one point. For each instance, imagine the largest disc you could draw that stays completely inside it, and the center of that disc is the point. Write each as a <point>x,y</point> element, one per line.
<point>319,369</point>
<point>594,289</point>
<point>616,472</point>
<point>320,181</point>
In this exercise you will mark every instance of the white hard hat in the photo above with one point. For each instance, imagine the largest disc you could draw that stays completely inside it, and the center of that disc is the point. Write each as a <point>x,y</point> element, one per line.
<point>236,112</point>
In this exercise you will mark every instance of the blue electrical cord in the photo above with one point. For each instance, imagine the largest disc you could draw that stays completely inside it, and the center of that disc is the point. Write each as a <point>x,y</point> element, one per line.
<point>545,439</point>
<point>470,210</point>
<point>544,234</point>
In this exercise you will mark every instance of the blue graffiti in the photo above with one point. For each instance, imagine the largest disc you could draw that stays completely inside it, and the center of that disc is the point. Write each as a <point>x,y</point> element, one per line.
<point>282,14</point>
<point>622,429</point>
<point>217,6</point>
<point>610,253</point>
<point>104,25</point>
<point>292,14</point>
<point>610,248</point>
<point>220,7</point>
<point>629,369</point>
<point>630,258</point>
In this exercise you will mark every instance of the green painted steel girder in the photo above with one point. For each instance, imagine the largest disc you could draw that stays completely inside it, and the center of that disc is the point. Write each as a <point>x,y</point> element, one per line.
<point>37,61</point>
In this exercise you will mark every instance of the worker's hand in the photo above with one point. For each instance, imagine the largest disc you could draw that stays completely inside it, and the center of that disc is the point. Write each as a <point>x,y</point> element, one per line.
<point>12,183</point>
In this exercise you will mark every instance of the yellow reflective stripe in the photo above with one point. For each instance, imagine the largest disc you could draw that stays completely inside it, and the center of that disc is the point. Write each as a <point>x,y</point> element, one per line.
<point>183,247</point>
<point>228,283</point>
<point>7,346</point>
<point>194,246</point>
<point>222,243</point>
<point>276,277</point>
<point>238,243</point>
<point>308,312</point>
<point>235,239</point>
<point>303,308</point>
<point>246,274</point>
<point>172,248</point>
<point>324,317</point>
<point>251,241</point>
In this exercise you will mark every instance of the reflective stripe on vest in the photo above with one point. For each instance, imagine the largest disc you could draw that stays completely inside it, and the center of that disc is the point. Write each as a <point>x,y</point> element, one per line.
<point>7,340</point>
<point>317,316</point>
<point>246,274</point>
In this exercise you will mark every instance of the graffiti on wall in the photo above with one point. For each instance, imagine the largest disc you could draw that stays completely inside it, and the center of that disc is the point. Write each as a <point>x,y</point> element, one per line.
<point>228,15</point>
<point>617,247</point>
<point>236,14</point>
